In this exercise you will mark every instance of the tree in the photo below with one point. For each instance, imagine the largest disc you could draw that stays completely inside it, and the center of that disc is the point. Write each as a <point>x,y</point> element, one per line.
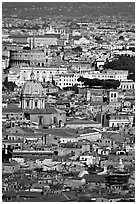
<point>77,49</point>
<point>9,84</point>
<point>121,38</point>
<point>75,88</point>
<point>122,63</point>
<point>106,84</point>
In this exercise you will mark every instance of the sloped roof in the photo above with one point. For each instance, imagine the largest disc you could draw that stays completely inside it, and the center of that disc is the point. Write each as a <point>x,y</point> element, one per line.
<point>81,121</point>
<point>75,37</point>
<point>32,87</point>
<point>12,109</point>
<point>61,132</point>
<point>95,178</point>
<point>47,110</point>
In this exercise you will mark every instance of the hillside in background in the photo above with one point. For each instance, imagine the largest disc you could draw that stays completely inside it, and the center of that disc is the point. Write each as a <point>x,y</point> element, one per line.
<point>69,9</point>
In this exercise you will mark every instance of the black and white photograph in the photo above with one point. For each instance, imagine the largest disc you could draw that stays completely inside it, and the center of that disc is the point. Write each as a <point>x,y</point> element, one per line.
<point>68,101</point>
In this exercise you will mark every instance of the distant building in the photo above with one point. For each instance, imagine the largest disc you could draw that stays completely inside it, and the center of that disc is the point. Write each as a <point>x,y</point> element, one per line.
<point>127,85</point>
<point>120,120</point>
<point>80,123</point>
<point>10,167</point>
<point>45,40</point>
<point>36,57</point>
<point>12,113</point>
<point>112,96</point>
<point>32,95</point>
<point>108,74</point>
<point>33,103</point>
<point>48,116</point>
<point>14,77</point>
<point>42,74</point>
<point>68,80</point>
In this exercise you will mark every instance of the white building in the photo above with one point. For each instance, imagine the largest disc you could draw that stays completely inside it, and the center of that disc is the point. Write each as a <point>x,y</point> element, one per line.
<point>5,63</point>
<point>14,77</point>
<point>42,74</point>
<point>91,136</point>
<point>121,120</point>
<point>127,84</point>
<point>107,74</point>
<point>47,39</point>
<point>68,80</point>
<point>113,96</point>
<point>81,123</point>
<point>87,159</point>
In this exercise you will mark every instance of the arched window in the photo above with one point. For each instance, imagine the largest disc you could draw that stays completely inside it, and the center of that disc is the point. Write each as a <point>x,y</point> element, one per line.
<point>27,102</point>
<point>36,104</point>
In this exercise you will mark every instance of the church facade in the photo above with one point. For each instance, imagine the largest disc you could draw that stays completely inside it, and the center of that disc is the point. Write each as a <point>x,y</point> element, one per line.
<point>32,95</point>
<point>33,100</point>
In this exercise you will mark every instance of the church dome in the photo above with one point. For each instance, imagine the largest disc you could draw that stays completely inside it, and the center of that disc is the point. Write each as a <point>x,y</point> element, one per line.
<point>33,88</point>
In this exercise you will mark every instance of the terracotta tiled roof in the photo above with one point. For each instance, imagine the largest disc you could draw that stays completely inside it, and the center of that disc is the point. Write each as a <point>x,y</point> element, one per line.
<point>81,121</point>
<point>12,109</point>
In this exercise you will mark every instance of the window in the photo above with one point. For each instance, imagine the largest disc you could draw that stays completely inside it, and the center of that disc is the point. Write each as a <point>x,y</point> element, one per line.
<point>27,103</point>
<point>36,103</point>
<point>111,95</point>
<point>46,60</point>
<point>115,95</point>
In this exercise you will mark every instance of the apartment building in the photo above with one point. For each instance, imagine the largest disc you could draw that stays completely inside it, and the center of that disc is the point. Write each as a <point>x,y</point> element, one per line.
<point>127,84</point>
<point>47,39</point>
<point>68,80</point>
<point>121,120</point>
<point>81,66</point>
<point>41,74</point>
<point>107,74</point>
<point>31,57</point>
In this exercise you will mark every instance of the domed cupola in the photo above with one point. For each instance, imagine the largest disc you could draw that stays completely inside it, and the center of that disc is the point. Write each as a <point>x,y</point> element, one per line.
<point>32,94</point>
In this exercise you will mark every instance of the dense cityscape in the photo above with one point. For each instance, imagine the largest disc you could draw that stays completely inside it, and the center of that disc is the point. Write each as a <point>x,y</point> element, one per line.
<point>68,102</point>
